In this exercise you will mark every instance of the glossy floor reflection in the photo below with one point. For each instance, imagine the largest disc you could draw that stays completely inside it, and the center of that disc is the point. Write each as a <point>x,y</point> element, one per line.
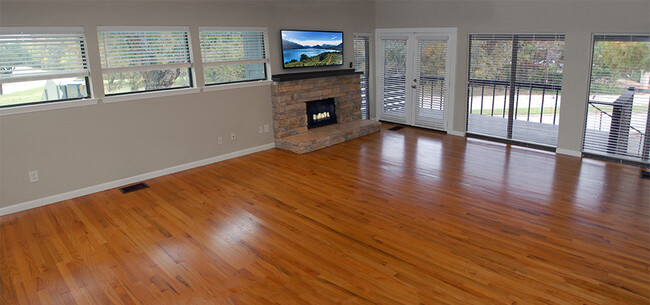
<point>399,217</point>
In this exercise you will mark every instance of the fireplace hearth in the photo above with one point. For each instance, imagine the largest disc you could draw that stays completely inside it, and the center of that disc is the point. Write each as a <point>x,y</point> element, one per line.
<point>321,113</point>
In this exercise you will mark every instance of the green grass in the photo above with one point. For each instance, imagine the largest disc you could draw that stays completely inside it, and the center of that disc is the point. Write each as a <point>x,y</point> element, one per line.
<point>323,59</point>
<point>22,97</point>
<point>609,109</point>
<point>520,111</point>
<point>549,110</point>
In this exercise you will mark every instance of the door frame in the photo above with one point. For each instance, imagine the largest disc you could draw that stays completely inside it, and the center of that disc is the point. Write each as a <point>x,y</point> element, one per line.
<point>451,33</point>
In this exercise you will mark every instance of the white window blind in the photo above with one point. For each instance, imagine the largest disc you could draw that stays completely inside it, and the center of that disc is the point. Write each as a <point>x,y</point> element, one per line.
<point>362,64</point>
<point>232,55</point>
<point>142,60</point>
<point>515,86</point>
<point>42,54</point>
<point>617,123</point>
<point>123,51</point>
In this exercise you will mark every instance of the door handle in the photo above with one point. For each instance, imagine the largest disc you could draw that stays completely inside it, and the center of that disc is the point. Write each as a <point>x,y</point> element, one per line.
<point>414,86</point>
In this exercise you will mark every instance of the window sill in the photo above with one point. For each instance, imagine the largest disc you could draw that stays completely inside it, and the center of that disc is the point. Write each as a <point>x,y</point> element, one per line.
<point>147,95</point>
<point>218,87</point>
<point>47,106</point>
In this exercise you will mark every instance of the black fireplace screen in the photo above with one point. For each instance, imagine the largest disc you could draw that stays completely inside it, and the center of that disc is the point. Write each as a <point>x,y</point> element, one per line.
<point>321,113</point>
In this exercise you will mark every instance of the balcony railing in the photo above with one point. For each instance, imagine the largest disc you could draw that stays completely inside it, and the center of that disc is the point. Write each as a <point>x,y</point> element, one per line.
<point>431,92</point>
<point>534,102</point>
<point>619,127</point>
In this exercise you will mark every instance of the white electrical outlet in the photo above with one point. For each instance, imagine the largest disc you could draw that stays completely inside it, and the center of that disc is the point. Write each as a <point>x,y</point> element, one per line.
<point>33,176</point>
<point>219,140</point>
<point>266,127</point>
<point>260,129</point>
<point>232,136</point>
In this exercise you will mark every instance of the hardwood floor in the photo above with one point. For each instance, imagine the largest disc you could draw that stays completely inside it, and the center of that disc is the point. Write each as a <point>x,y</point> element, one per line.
<point>399,217</point>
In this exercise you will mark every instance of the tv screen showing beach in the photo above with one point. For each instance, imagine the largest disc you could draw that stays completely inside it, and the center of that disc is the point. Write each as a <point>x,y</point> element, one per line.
<point>311,49</point>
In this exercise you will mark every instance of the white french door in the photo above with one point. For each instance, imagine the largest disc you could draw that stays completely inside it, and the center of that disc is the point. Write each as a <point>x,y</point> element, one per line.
<point>414,79</point>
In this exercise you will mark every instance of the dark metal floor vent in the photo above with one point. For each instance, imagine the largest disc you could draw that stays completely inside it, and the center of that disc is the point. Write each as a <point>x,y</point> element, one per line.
<point>645,174</point>
<point>396,128</point>
<point>134,187</point>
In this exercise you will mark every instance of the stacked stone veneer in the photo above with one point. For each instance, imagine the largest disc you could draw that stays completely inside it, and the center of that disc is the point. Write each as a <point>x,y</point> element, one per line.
<point>290,118</point>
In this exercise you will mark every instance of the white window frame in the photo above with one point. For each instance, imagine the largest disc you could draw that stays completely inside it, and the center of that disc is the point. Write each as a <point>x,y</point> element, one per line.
<point>137,95</point>
<point>241,84</point>
<point>50,105</point>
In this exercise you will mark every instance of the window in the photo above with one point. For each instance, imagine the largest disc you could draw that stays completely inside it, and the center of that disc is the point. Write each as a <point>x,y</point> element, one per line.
<point>618,115</point>
<point>42,65</point>
<point>362,64</point>
<point>143,60</point>
<point>514,87</point>
<point>231,55</point>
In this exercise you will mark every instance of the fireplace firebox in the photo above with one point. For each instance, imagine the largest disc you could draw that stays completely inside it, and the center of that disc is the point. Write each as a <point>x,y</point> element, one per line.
<point>321,113</point>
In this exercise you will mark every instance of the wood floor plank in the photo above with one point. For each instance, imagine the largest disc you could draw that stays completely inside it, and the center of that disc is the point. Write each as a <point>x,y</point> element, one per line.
<point>398,217</point>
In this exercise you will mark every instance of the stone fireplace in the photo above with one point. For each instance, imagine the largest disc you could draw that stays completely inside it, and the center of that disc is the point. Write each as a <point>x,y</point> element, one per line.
<point>291,120</point>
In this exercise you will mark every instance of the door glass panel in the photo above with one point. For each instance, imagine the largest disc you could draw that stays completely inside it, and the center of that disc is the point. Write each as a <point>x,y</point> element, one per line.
<point>431,65</point>
<point>394,53</point>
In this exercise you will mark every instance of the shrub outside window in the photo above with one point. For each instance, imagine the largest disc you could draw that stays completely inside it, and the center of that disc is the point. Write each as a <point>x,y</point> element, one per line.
<point>233,55</point>
<point>42,65</point>
<point>143,60</point>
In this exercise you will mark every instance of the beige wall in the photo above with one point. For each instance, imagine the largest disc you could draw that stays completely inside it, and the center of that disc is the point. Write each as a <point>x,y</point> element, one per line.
<point>577,19</point>
<point>79,147</point>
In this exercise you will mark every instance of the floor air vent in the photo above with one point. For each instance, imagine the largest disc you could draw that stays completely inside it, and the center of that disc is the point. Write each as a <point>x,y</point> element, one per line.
<point>645,174</point>
<point>134,187</point>
<point>396,128</point>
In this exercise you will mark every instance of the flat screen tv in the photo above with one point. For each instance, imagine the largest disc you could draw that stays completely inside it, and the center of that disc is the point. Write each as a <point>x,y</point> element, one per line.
<point>303,49</point>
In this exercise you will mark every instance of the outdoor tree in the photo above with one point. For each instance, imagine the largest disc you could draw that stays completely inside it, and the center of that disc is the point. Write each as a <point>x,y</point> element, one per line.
<point>135,48</point>
<point>618,65</point>
<point>540,61</point>
<point>433,57</point>
<point>213,44</point>
<point>491,59</point>
<point>152,79</point>
<point>394,57</point>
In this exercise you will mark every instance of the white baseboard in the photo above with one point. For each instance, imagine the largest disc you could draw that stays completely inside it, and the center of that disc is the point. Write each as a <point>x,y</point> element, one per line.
<point>117,183</point>
<point>456,133</point>
<point>568,152</point>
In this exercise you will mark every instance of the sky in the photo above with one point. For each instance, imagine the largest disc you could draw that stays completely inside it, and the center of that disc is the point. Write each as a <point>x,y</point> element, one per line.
<point>308,38</point>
